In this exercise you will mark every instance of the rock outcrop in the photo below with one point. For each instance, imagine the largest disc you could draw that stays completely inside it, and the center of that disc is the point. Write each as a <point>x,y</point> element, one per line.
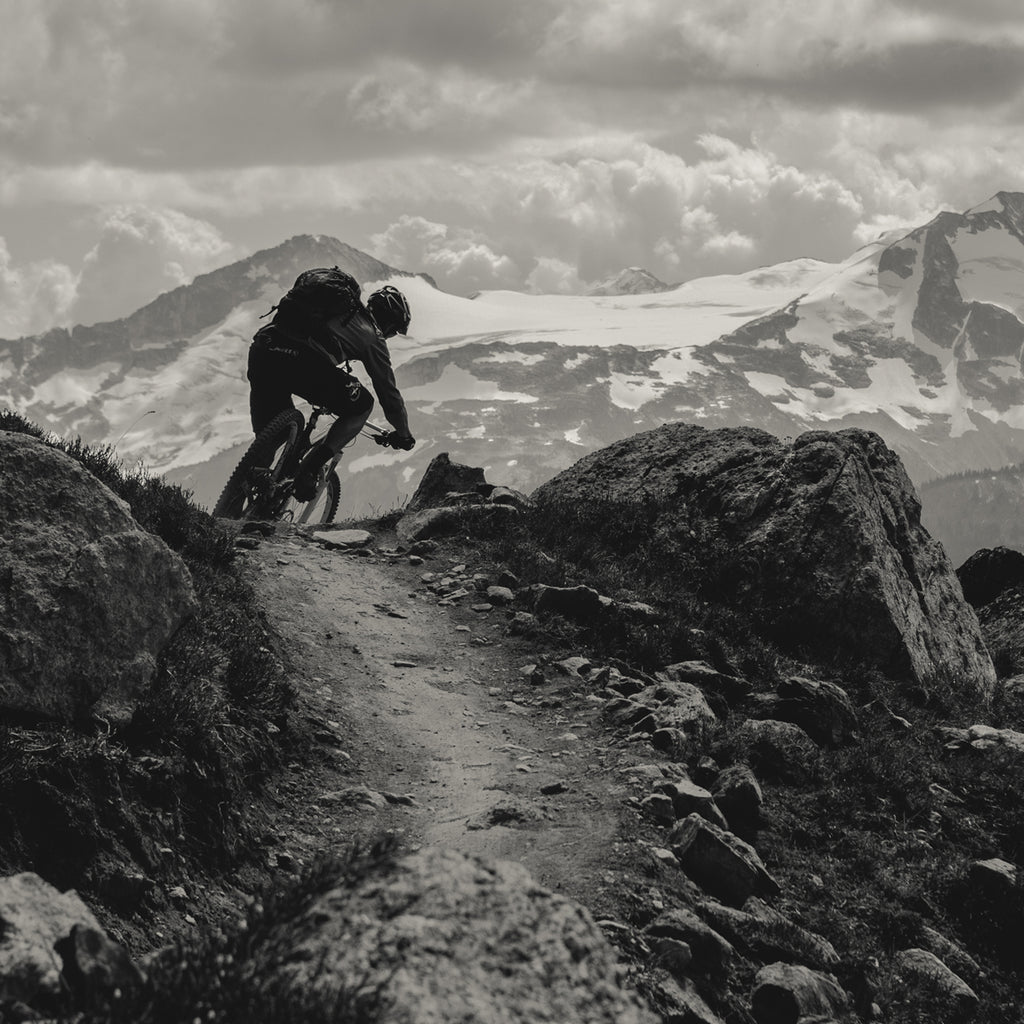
<point>819,539</point>
<point>34,917</point>
<point>88,599</point>
<point>440,936</point>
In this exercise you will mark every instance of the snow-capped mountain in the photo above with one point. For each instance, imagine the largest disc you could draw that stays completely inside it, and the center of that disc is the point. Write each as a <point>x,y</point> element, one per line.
<point>917,336</point>
<point>631,281</point>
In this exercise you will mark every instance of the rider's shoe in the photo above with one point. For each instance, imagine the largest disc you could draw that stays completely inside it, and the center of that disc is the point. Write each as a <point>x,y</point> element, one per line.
<point>307,478</point>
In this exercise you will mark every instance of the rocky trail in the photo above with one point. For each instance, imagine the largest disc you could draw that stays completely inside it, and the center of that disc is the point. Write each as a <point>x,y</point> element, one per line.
<point>423,717</point>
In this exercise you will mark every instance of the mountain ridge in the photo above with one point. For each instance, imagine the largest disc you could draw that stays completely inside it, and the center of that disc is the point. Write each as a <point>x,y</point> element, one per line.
<point>917,336</point>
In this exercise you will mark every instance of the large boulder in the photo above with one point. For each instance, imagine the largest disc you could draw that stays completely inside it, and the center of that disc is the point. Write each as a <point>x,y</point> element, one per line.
<point>88,599</point>
<point>440,936</point>
<point>443,477</point>
<point>819,539</point>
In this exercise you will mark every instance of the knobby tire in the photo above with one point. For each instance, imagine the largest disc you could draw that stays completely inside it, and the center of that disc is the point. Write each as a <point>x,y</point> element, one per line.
<point>265,461</point>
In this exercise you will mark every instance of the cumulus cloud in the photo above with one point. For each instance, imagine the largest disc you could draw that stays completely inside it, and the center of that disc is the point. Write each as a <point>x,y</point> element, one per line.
<point>34,296</point>
<point>463,259</point>
<point>141,253</point>
<point>554,277</point>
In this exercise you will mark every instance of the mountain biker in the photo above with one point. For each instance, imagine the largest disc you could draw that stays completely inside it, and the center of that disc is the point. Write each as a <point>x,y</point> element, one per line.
<point>285,360</point>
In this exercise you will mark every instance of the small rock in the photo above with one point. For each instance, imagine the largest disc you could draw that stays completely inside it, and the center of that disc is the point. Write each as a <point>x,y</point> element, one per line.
<point>551,788</point>
<point>500,595</point>
<point>721,863</point>
<point>659,807</point>
<point>922,975</point>
<point>787,993</point>
<point>344,539</point>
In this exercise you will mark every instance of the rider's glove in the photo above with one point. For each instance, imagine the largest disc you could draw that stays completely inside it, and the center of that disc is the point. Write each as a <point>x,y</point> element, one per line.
<point>404,441</point>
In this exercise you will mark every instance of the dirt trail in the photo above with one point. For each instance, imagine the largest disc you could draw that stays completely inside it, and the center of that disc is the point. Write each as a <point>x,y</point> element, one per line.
<point>426,707</point>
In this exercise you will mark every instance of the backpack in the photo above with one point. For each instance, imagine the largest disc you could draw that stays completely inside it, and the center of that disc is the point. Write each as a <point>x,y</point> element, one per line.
<point>317,296</point>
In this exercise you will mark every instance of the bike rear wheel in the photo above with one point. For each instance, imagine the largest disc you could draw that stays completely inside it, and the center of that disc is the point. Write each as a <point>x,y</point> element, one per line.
<point>258,488</point>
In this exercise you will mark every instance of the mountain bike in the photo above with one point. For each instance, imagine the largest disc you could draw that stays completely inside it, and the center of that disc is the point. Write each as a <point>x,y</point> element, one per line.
<point>260,487</point>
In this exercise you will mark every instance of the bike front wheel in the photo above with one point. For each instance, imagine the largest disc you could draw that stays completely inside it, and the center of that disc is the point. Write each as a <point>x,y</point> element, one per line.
<point>323,508</point>
<point>259,486</point>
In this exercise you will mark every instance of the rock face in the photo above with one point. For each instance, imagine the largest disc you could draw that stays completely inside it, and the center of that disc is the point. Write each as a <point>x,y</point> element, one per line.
<point>820,539</point>
<point>34,917</point>
<point>443,477</point>
<point>87,598</point>
<point>446,937</point>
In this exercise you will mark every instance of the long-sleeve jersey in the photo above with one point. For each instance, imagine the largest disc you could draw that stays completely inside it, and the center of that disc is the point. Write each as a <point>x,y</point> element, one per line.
<point>359,339</point>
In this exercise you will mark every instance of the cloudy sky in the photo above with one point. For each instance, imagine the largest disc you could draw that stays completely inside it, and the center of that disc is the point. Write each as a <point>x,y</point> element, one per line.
<point>531,144</point>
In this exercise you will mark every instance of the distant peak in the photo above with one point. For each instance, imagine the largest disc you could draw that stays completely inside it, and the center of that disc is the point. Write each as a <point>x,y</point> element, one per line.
<point>631,281</point>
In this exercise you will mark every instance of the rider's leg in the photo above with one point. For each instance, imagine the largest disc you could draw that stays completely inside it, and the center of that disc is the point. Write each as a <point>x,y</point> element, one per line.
<point>352,408</point>
<point>267,368</point>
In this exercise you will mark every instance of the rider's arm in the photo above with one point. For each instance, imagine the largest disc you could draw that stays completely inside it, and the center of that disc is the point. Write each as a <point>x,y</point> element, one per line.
<point>363,342</point>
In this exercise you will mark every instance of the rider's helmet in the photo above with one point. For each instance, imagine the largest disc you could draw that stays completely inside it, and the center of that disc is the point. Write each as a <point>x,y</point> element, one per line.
<point>390,310</point>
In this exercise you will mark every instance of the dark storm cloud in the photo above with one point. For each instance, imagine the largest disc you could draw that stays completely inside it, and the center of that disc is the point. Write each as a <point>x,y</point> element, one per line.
<point>916,76</point>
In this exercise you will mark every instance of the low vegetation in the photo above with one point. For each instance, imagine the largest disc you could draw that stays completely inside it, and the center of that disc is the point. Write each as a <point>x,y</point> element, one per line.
<point>171,783</point>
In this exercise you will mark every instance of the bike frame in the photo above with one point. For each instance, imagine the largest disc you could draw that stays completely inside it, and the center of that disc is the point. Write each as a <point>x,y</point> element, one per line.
<point>308,442</point>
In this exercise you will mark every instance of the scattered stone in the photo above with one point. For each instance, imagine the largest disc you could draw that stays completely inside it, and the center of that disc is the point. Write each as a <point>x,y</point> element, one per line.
<point>787,993</point>
<point>482,609</point>
<point>356,796</point>
<point>712,953</point>
<point>985,738</point>
<point>509,580</point>
<point>509,812</point>
<point>673,742</point>
<point>508,496</point>
<point>659,807</point>
<point>404,664</point>
<point>689,798</point>
<point>782,938</point>
<point>577,604</point>
<point>733,689</point>
<point>738,794</point>
<point>248,543</point>
<point>415,560</point>
<point>500,595</point>
<point>671,953</point>
<point>553,788</point>
<point>681,1003</point>
<point>719,862</point>
<point>921,975</point>
<point>575,666</point>
<point>822,709</point>
<point>764,934</point>
<point>780,750</point>
<point>423,547</point>
<point>994,880</point>
<point>957,959</point>
<point>522,624</point>
<point>343,539</point>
